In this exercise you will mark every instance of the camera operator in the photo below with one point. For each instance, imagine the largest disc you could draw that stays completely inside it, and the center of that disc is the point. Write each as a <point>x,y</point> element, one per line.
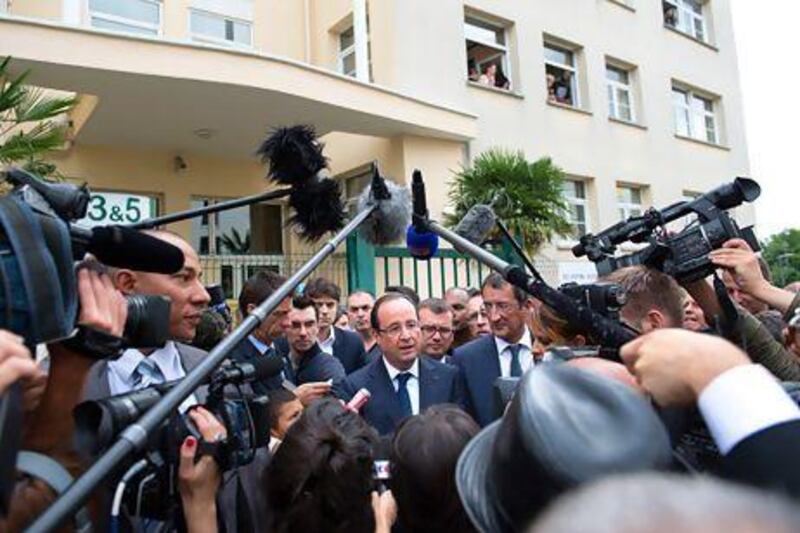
<point>759,436</point>
<point>653,299</point>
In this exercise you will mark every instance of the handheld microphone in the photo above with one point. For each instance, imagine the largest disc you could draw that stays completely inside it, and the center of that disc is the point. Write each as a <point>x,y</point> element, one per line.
<point>420,241</point>
<point>122,247</point>
<point>477,223</point>
<point>389,220</point>
<point>359,400</point>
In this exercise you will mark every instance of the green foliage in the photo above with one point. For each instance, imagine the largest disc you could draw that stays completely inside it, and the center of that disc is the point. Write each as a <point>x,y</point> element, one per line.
<point>782,254</point>
<point>235,243</point>
<point>27,126</point>
<point>524,195</point>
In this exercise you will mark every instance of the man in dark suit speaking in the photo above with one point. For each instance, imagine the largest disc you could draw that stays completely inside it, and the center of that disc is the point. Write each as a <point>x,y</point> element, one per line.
<point>506,352</point>
<point>402,383</point>
<point>346,346</point>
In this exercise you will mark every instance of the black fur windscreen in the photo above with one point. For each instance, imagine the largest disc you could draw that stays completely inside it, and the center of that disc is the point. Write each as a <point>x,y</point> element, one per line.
<point>318,208</point>
<point>294,155</point>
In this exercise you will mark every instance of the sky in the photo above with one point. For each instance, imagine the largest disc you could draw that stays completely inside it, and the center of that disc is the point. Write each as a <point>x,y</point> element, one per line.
<point>767,36</point>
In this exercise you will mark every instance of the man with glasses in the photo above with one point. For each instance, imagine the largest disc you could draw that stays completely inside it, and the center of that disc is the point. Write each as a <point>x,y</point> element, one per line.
<point>507,352</point>
<point>401,382</point>
<point>436,324</point>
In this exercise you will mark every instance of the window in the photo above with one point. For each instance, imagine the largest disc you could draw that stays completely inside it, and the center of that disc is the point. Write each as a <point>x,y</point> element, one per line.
<point>694,115</point>
<point>347,52</point>
<point>211,27</point>
<point>620,96</point>
<point>574,192</point>
<point>686,16</point>
<point>255,229</point>
<point>561,74</point>
<point>487,53</point>
<point>130,16</point>
<point>629,201</point>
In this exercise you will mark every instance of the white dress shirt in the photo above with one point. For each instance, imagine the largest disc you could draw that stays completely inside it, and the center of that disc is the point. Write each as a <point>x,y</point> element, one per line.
<point>121,377</point>
<point>525,353</point>
<point>258,345</point>
<point>327,345</point>
<point>412,385</point>
<point>743,401</point>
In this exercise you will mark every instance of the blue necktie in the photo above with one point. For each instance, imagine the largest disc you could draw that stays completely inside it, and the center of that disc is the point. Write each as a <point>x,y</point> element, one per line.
<point>146,373</point>
<point>402,393</point>
<point>516,368</point>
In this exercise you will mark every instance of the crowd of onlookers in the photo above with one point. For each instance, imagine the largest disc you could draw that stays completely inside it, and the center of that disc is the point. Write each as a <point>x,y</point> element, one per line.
<point>485,410</point>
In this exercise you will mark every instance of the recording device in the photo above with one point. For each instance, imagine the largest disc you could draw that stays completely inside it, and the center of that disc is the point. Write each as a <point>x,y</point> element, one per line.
<point>218,303</point>
<point>389,207</point>
<point>603,298</point>
<point>359,400</point>
<point>683,256</point>
<point>244,415</point>
<point>477,223</point>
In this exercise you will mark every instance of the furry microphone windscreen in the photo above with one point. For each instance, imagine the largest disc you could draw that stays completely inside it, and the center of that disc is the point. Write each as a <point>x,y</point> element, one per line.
<point>477,223</point>
<point>294,155</point>
<point>389,221</point>
<point>318,208</point>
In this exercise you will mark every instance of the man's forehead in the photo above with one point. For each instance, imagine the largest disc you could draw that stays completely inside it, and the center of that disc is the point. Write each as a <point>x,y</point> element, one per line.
<point>302,314</point>
<point>398,309</point>
<point>430,316</point>
<point>360,298</point>
<point>503,293</point>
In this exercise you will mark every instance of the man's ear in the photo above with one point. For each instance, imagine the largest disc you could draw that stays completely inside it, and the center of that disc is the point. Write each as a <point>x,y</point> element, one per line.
<point>579,340</point>
<point>654,319</point>
<point>124,280</point>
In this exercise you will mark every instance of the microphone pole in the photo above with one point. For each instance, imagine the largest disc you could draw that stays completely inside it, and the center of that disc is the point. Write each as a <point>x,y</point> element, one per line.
<point>215,208</point>
<point>608,332</point>
<point>134,438</point>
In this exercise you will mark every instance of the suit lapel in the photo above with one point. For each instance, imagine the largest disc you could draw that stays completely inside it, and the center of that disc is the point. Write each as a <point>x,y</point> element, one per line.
<point>428,383</point>
<point>190,358</point>
<point>381,385</point>
<point>494,364</point>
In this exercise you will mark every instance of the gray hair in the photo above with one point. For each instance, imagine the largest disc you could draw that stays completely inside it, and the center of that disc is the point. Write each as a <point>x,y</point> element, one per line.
<point>666,503</point>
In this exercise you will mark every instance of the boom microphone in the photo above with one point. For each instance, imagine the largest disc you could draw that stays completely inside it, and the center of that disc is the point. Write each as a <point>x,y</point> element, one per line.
<point>256,370</point>
<point>477,223</point>
<point>420,241</point>
<point>392,215</point>
<point>123,247</point>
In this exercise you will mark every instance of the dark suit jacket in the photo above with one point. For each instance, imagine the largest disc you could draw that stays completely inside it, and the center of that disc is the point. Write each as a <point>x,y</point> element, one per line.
<point>479,365</point>
<point>245,352</point>
<point>348,348</point>
<point>315,365</point>
<point>767,459</point>
<point>438,383</point>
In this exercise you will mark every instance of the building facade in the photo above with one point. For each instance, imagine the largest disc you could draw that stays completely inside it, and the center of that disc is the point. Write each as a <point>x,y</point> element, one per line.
<point>638,101</point>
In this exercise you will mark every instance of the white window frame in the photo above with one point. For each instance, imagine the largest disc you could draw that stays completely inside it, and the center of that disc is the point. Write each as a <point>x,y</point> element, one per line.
<point>578,201</point>
<point>3,6</point>
<point>200,37</point>
<point>687,18</point>
<point>575,87</point>
<point>628,207</point>
<point>159,28</point>
<point>342,54</point>
<point>693,108</point>
<point>613,95</point>
<point>502,49</point>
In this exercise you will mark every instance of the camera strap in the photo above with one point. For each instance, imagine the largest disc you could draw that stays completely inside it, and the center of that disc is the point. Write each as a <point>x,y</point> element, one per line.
<point>56,476</point>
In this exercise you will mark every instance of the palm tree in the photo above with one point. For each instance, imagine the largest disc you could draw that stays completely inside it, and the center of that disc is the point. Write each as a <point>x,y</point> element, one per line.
<point>526,196</point>
<point>235,243</point>
<point>28,128</point>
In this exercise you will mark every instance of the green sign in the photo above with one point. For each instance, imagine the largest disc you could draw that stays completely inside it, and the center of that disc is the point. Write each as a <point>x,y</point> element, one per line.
<point>106,208</point>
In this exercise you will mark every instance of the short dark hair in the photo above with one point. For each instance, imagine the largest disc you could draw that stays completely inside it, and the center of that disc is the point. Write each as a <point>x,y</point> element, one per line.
<point>277,399</point>
<point>408,292</point>
<point>258,288</point>
<point>361,291</point>
<point>322,288</point>
<point>437,306</point>
<point>647,288</point>
<point>423,456</point>
<point>498,282</point>
<point>386,298</point>
<point>321,476</point>
<point>472,292</point>
<point>301,301</point>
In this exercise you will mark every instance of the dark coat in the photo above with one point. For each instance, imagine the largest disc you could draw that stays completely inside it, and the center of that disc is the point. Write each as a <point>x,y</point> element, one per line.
<point>348,348</point>
<point>315,365</point>
<point>479,364</point>
<point>438,383</point>
<point>245,352</point>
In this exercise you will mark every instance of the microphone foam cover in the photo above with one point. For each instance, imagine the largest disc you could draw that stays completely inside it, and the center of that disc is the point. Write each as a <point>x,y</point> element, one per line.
<point>422,245</point>
<point>317,207</point>
<point>477,223</point>
<point>389,222</point>
<point>294,155</point>
<point>121,247</point>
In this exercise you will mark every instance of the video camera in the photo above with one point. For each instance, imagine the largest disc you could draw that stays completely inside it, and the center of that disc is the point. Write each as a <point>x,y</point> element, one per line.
<point>604,298</point>
<point>244,414</point>
<point>683,256</point>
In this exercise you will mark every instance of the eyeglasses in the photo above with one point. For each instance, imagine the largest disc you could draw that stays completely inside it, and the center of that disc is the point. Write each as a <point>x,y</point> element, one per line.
<point>431,330</point>
<point>396,329</point>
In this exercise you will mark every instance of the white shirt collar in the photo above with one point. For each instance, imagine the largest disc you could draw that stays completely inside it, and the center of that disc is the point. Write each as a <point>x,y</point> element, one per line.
<point>260,346</point>
<point>525,341</point>
<point>166,359</point>
<point>393,372</point>
<point>327,345</point>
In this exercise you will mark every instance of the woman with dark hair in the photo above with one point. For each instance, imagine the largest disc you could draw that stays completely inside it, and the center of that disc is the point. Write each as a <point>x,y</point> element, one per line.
<point>423,459</point>
<point>321,476</point>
